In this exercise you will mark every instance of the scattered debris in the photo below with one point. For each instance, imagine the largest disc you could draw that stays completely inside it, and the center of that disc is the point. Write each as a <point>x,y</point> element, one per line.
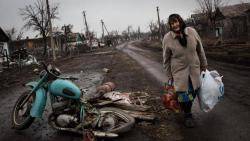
<point>115,95</point>
<point>138,98</point>
<point>36,71</point>
<point>106,70</point>
<point>106,87</point>
<point>88,136</point>
<point>147,116</point>
<point>30,60</point>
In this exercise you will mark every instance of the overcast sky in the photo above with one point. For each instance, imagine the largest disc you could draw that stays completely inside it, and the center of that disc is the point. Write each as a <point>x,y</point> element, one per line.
<point>117,14</point>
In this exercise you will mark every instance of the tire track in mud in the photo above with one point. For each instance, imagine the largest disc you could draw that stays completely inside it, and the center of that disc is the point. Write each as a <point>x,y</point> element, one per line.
<point>154,68</point>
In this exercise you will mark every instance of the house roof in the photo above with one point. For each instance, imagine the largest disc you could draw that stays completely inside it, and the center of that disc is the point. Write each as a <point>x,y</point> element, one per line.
<point>235,10</point>
<point>197,15</point>
<point>199,18</point>
<point>3,36</point>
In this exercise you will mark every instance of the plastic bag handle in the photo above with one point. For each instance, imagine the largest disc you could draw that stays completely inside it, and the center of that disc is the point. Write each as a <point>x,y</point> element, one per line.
<point>170,82</point>
<point>203,73</point>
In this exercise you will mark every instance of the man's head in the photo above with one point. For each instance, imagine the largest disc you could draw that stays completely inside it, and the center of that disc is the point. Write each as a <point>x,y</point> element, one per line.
<point>176,23</point>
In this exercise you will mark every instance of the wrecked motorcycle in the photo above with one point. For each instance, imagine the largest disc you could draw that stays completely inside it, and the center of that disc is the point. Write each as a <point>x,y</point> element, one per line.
<point>71,111</point>
<point>132,103</point>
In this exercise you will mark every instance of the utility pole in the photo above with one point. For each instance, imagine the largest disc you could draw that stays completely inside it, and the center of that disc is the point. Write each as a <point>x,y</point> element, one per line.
<point>139,32</point>
<point>128,32</point>
<point>159,23</point>
<point>50,31</point>
<point>85,21</point>
<point>102,30</point>
<point>87,29</point>
<point>106,28</point>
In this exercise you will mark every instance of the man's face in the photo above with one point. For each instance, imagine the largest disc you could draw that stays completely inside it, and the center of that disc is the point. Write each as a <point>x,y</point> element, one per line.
<point>175,25</point>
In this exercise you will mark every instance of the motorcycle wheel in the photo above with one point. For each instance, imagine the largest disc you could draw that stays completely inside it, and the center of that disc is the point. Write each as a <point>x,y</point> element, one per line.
<point>115,121</point>
<point>21,118</point>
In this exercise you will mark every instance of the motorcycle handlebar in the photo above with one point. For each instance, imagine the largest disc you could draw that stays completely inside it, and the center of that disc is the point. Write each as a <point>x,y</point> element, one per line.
<point>44,66</point>
<point>46,69</point>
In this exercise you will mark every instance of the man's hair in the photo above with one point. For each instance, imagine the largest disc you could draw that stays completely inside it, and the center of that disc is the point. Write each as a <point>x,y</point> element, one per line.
<point>174,17</point>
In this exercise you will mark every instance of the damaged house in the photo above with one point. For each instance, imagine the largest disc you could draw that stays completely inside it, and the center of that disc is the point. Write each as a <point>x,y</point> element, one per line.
<point>61,42</point>
<point>232,23</point>
<point>4,49</point>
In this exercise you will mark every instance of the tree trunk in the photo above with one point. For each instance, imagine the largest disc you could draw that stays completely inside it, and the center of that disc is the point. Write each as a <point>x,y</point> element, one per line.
<point>45,46</point>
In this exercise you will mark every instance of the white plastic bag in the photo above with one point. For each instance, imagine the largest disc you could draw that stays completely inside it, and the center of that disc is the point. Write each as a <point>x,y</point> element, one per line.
<point>211,91</point>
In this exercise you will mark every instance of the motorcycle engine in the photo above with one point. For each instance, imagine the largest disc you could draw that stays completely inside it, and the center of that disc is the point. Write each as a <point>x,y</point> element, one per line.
<point>65,120</point>
<point>66,112</point>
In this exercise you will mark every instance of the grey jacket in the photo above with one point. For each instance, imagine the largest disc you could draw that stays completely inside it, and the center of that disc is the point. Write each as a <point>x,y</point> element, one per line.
<point>183,62</point>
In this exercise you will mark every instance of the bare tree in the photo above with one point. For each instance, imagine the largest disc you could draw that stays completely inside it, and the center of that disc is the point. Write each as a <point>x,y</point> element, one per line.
<point>13,34</point>
<point>164,28</point>
<point>130,29</point>
<point>209,7</point>
<point>154,30</point>
<point>67,28</point>
<point>19,35</point>
<point>37,19</point>
<point>125,35</point>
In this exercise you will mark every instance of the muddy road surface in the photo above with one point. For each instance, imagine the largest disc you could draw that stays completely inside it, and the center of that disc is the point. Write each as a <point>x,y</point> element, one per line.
<point>124,72</point>
<point>135,68</point>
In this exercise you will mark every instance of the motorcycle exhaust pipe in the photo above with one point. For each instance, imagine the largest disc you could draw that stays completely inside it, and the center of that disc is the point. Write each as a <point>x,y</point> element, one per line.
<point>76,130</point>
<point>104,134</point>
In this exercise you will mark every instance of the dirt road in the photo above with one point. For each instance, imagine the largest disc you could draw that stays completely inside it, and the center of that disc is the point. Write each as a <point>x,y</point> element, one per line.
<point>138,69</point>
<point>230,119</point>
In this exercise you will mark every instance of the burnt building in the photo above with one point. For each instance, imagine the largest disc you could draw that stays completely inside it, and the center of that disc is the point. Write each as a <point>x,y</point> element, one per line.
<point>4,46</point>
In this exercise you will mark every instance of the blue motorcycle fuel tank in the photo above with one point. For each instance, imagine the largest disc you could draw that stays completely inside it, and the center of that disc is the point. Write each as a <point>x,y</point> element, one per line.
<point>64,88</point>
